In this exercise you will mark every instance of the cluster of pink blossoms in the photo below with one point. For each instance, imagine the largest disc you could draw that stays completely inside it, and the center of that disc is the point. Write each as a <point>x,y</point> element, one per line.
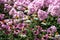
<point>20,10</point>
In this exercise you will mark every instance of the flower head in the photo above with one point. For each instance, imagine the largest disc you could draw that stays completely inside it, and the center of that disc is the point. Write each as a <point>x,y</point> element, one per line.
<point>58,20</point>
<point>42,14</point>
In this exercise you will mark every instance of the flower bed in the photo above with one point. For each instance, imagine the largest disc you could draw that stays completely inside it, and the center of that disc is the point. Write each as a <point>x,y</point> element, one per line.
<point>29,19</point>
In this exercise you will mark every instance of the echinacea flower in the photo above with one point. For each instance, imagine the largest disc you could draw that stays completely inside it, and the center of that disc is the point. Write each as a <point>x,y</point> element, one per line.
<point>36,38</point>
<point>20,26</point>
<point>52,29</point>
<point>39,28</point>
<point>36,32</point>
<point>6,27</point>
<point>45,37</point>
<point>16,31</point>
<point>8,21</point>
<point>24,32</point>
